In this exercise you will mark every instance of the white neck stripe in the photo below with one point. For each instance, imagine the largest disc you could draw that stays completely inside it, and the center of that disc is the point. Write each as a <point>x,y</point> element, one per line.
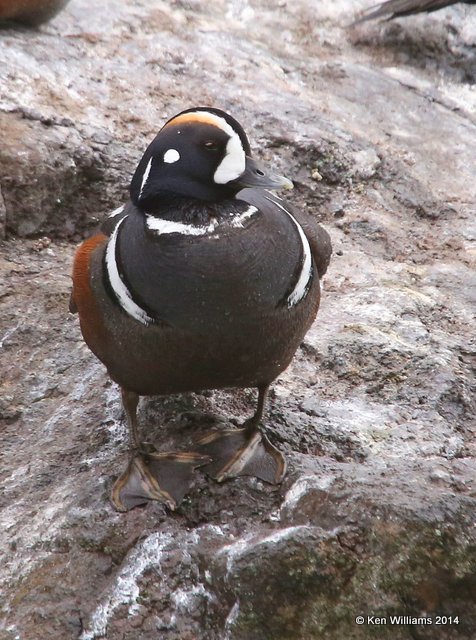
<point>302,285</point>
<point>237,221</point>
<point>164,227</point>
<point>120,290</point>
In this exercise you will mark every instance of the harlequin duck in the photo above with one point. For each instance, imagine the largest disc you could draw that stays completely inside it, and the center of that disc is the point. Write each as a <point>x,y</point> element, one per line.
<point>29,12</point>
<point>400,8</point>
<point>204,279</point>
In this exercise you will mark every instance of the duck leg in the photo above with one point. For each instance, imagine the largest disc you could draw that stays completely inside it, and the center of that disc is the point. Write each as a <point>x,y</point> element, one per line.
<point>245,451</point>
<point>151,475</point>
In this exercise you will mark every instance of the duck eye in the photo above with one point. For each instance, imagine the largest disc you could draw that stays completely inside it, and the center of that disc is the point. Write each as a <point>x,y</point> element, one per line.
<point>211,146</point>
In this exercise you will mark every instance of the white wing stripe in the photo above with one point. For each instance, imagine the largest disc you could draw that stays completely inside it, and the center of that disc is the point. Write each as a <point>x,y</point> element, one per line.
<point>302,285</point>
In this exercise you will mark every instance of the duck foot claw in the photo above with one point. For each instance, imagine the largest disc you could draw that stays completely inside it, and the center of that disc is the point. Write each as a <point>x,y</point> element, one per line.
<point>165,477</point>
<point>237,452</point>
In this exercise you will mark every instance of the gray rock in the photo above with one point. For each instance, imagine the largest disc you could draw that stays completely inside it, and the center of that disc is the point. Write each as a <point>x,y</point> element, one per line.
<point>375,414</point>
<point>3,217</point>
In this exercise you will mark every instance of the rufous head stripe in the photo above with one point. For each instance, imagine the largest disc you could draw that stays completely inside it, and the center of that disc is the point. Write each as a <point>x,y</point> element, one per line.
<point>234,162</point>
<point>198,116</point>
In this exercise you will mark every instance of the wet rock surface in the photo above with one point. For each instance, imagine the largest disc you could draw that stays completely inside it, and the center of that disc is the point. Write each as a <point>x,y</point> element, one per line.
<point>376,414</point>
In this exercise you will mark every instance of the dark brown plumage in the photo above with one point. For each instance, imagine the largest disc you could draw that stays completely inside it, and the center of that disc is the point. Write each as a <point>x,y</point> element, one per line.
<point>199,283</point>
<point>29,12</point>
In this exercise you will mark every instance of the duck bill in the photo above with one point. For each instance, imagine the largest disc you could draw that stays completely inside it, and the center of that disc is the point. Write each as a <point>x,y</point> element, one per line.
<point>255,176</point>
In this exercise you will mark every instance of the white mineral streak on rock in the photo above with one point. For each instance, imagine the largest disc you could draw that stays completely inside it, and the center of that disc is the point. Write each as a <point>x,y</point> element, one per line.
<point>146,555</point>
<point>389,354</point>
<point>9,332</point>
<point>116,426</point>
<point>237,549</point>
<point>302,486</point>
<point>230,620</point>
<point>124,589</point>
<point>40,526</point>
<point>65,411</point>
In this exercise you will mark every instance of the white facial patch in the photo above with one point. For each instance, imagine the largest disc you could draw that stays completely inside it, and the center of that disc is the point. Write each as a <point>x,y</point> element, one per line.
<point>122,293</point>
<point>234,162</point>
<point>302,285</point>
<point>171,156</point>
<point>145,177</point>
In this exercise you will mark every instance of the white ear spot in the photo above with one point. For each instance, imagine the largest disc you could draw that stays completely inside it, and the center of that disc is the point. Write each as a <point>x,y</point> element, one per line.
<point>171,156</point>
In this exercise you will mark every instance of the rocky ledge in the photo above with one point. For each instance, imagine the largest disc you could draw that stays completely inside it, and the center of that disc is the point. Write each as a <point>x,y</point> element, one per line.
<point>376,517</point>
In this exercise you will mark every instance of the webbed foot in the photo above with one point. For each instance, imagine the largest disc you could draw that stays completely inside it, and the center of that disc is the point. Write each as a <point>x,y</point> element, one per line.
<point>165,477</point>
<point>237,452</point>
<point>243,452</point>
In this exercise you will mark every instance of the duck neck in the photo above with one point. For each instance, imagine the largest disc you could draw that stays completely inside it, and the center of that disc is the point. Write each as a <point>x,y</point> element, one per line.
<point>188,210</point>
